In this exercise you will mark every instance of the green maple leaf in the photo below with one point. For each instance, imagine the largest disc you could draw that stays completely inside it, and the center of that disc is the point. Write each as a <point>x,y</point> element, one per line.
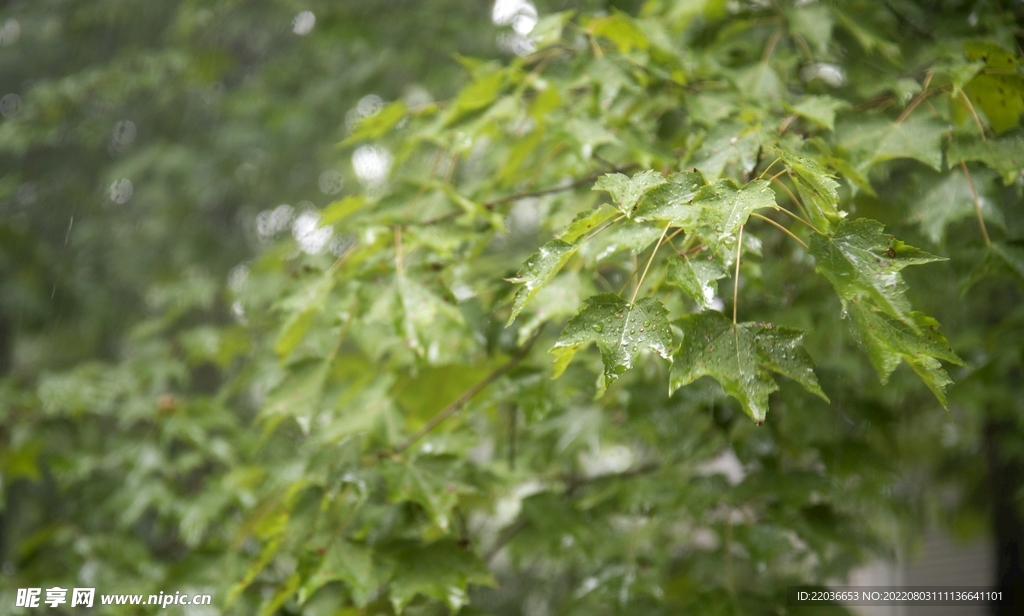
<point>538,271</point>
<point>820,110</point>
<point>999,260</point>
<point>544,264</point>
<point>586,222</point>
<point>729,146</point>
<point>741,357</point>
<point>673,201</point>
<point>862,261</point>
<point>626,191</point>
<point>696,278</point>
<point>441,570</point>
<point>874,140</point>
<point>426,484</point>
<point>951,200</point>
<point>1004,154</point>
<point>725,206</point>
<point>347,562</point>
<point>620,329</point>
<point>817,188</point>
<point>432,327</point>
<point>889,341</point>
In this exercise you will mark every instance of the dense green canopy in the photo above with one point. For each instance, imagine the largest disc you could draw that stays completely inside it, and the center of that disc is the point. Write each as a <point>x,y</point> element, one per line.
<point>373,307</point>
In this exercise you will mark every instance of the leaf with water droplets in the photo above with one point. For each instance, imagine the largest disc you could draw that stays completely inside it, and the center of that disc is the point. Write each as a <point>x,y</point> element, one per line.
<point>741,358</point>
<point>863,262</point>
<point>817,188</point>
<point>626,191</point>
<point>696,278</point>
<point>726,206</point>
<point>586,222</point>
<point>889,341</point>
<point>539,270</point>
<point>672,201</point>
<point>620,330</point>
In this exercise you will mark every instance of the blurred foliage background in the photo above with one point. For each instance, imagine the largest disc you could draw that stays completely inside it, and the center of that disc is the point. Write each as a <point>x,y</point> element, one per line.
<point>248,248</point>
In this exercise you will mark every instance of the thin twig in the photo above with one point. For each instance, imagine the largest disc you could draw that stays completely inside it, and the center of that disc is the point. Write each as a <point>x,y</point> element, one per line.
<point>468,395</point>
<point>736,278</point>
<point>977,204</point>
<point>554,189</point>
<point>534,193</point>
<point>917,99</point>
<point>649,261</point>
<point>780,227</point>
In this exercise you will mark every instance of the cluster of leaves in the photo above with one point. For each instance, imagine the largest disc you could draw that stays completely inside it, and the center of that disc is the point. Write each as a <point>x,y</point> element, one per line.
<point>415,449</point>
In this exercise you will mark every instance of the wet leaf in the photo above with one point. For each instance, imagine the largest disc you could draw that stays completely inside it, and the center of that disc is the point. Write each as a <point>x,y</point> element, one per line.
<point>741,358</point>
<point>863,262</point>
<point>587,222</point>
<point>696,278</point>
<point>724,208</point>
<point>817,188</point>
<point>672,201</point>
<point>538,271</point>
<point>627,191</point>
<point>889,341</point>
<point>620,330</point>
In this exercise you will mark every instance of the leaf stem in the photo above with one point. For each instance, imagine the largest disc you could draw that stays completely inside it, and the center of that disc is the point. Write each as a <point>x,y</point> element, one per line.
<point>399,266</point>
<point>974,114</point>
<point>468,395</point>
<point>795,217</point>
<point>769,167</point>
<point>648,266</point>
<point>610,223</point>
<point>977,204</point>
<point>736,278</point>
<point>780,227</point>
